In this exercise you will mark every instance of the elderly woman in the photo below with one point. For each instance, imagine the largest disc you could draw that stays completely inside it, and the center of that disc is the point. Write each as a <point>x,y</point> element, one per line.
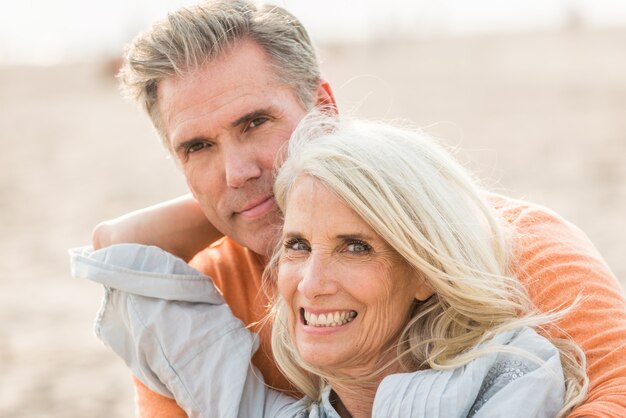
<point>391,297</point>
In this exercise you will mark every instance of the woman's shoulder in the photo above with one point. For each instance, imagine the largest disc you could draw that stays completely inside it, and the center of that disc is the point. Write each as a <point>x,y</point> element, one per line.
<point>509,374</point>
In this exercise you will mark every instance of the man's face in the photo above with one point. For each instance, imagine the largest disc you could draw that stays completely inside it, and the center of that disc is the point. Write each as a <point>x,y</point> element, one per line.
<point>225,123</point>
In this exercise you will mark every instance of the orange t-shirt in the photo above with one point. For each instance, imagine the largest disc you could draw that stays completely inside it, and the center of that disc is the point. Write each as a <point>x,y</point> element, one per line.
<point>556,261</point>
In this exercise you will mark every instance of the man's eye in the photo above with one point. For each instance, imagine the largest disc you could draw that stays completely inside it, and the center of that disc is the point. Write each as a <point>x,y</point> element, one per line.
<point>297,244</point>
<point>258,121</point>
<point>195,147</point>
<point>358,247</point>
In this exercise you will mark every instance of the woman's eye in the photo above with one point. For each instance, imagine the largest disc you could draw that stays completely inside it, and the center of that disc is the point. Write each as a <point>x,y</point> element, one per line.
<point>297,245</point>
<point>358,247</point>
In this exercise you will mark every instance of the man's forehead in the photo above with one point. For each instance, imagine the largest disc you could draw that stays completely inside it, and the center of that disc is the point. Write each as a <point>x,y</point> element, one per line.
<point>202,103</point>
<point>246,64</point>
<point>179,93</point>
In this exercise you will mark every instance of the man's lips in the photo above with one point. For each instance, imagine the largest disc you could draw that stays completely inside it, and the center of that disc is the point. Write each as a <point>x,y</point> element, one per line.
<point>258,208</point>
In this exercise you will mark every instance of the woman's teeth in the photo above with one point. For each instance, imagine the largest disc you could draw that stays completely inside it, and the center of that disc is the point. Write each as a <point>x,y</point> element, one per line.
<point>330,319</point>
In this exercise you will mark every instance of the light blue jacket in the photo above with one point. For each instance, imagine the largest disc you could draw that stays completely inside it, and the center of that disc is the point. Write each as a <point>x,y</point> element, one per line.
<point>173,329</point>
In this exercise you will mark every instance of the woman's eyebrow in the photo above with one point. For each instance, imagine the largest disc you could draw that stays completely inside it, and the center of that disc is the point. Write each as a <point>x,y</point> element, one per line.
<point>357,235</point>
<point>290,234</point>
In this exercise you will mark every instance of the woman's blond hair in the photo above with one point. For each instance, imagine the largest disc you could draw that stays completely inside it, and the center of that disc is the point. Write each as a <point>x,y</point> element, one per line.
<point>415,196</point>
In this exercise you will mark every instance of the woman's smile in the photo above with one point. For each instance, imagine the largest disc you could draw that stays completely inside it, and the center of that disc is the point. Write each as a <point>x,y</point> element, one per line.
<point>324,322</point>
<point>327,319</point>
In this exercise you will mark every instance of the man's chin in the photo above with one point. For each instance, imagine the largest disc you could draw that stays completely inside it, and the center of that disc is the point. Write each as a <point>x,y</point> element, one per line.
<point>261,242</point>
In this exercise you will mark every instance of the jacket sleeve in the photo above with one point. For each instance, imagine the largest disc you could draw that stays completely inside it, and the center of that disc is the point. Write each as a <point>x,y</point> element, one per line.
<point>149,404</point>
<point>560,265</point>
<point>190,347</point>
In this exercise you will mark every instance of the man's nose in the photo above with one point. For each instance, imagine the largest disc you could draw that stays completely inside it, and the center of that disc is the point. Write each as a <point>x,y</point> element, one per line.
<point>318,278</point>
<point>240,165</point>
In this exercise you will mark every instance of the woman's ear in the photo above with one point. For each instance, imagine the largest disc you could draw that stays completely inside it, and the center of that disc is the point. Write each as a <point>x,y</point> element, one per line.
<point>423,291</point>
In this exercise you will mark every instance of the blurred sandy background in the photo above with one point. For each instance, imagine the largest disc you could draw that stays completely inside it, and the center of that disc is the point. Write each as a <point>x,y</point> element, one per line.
<point>540,114</point>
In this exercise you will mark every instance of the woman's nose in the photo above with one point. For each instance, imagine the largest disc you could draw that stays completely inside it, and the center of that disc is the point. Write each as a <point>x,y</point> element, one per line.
<point>318,278</point>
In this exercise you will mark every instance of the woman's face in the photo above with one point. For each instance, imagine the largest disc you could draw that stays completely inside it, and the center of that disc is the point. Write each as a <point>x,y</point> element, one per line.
<point>348,293</point>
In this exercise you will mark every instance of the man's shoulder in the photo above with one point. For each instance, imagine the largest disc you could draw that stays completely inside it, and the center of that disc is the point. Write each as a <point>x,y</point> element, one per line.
<point>226,259</point>
<point>524,214</point>
<point>238,273</point>
<point>540,235</point>
<point>226,244</point>
<point>224,250</point>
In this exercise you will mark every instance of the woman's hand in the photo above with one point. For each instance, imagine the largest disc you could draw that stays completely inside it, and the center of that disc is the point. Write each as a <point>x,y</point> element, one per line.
<point>177,226</point>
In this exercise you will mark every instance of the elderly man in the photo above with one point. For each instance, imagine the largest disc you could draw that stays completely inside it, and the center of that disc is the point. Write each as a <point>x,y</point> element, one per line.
<point>225,83</point>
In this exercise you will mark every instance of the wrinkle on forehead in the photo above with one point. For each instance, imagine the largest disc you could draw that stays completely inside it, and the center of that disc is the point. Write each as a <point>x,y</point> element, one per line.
<point>296,228</point>
<point>185,107</point>
<point>309,197</point>
<point>244,71</point>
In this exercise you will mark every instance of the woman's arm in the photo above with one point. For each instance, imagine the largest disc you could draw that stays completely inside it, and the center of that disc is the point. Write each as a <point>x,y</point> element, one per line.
<point>178,226</point>
<point>205,364</point>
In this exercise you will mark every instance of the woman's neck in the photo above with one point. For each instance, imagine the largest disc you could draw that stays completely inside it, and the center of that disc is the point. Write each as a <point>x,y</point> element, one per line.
<point>355,398</point>
<point>353,403</point>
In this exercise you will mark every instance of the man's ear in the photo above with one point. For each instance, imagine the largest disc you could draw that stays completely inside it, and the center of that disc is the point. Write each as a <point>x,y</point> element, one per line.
<point>325,97</point>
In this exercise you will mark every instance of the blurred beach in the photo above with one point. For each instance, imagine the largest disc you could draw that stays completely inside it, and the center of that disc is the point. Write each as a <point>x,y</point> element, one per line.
<point>539,115</point>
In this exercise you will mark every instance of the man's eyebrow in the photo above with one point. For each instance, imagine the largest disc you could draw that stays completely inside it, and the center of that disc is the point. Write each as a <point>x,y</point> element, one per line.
<point>251,115</point>
<point>185,144</point>
<point>180,147</point>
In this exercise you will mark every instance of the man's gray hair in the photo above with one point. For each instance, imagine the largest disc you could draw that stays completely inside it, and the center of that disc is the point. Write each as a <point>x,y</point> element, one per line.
<point>193,36</point>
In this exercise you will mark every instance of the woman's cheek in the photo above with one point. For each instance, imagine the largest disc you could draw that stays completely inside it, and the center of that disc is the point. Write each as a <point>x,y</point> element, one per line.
<point>287,280</point>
